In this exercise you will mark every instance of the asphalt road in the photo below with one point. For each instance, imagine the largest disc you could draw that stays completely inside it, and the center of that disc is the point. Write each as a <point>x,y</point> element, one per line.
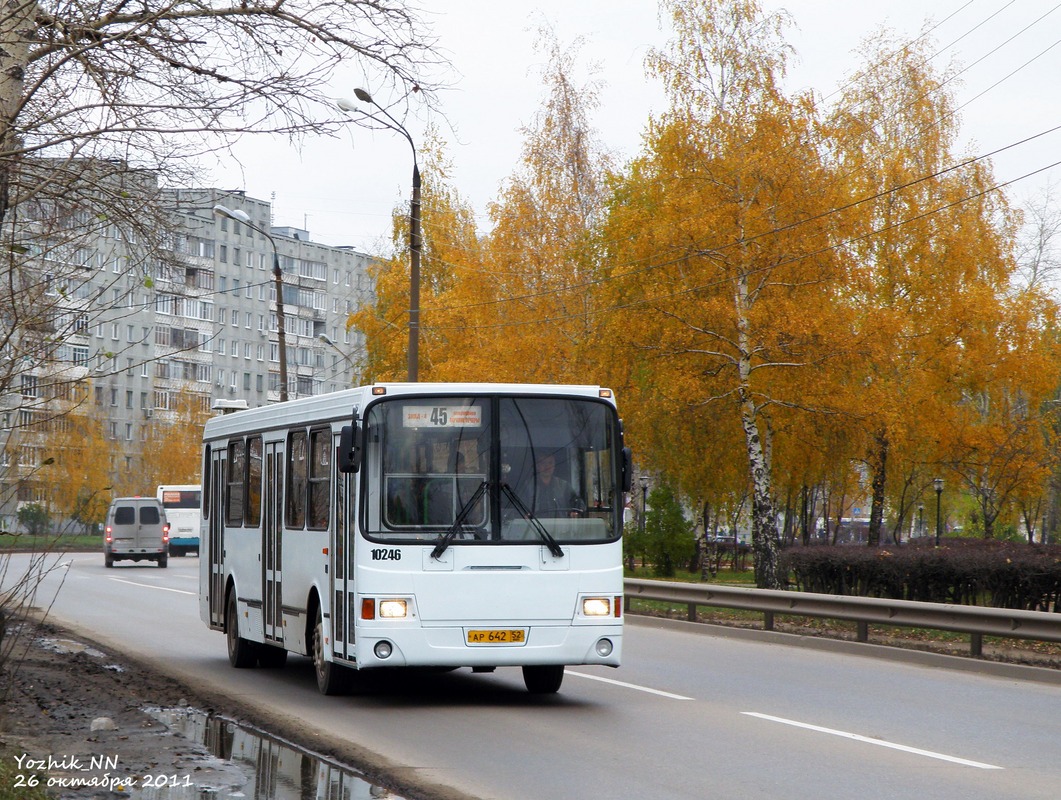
<point>688,715</point>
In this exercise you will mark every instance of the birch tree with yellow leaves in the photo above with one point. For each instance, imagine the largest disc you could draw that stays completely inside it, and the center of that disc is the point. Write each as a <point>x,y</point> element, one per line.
<point>720,249</point>
<point>541,251</point>
<point>932,249</point>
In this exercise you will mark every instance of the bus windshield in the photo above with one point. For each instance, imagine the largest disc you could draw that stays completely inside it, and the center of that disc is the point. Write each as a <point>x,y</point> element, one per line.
<point>490,470</point>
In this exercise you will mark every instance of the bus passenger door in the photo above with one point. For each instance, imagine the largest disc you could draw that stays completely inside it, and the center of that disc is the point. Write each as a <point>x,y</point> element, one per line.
<point>216,530</point>
<point>272,541</point>
<point>342,549</point>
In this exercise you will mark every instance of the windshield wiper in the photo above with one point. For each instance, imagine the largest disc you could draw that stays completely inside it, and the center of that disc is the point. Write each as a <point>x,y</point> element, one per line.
<point>447,537</point>
<point>526,513</point>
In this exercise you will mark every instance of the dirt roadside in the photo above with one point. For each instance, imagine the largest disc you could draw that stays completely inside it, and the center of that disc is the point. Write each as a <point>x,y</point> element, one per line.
<point>73,715</point>
<point>77,715</point>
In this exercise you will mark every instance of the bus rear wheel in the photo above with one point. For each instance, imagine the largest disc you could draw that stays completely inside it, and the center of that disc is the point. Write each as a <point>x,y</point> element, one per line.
<point>241,652</point>
<point>543,679</point>
<point>332,678</point>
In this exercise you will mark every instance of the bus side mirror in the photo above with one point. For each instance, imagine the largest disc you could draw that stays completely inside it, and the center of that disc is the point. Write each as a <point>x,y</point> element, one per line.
<point>350,448</point>
<point>628,469</point>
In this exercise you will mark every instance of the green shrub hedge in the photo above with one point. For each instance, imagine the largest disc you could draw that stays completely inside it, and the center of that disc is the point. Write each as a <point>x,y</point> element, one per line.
<point>967,572</point>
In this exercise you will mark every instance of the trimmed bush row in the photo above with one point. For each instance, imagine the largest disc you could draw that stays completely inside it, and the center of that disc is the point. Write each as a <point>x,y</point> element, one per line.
<point>967,572</point>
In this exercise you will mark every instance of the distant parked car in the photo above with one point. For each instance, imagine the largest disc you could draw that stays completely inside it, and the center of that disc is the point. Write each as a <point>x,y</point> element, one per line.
<point>136,529</point>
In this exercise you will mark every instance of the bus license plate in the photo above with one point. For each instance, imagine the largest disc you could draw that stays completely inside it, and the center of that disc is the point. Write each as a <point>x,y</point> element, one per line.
<point>506,636</point>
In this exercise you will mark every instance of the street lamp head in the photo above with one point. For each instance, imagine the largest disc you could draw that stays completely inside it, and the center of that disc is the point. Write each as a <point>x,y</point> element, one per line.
<point>363,96</point>
<point>644,481</point>
<point>238,214</point>
<point>344,104</point>
<point>938,483</point>
<point>324,338</point>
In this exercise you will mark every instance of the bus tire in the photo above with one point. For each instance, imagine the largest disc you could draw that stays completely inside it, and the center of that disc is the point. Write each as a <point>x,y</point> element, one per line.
<point>163,561</point>
<point>543,679</point>
<point>241,652</point>
<point>271,657</point>
<point>332,678</point>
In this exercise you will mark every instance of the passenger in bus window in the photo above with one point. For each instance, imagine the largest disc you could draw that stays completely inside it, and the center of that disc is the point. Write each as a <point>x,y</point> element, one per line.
<point>402,506</point>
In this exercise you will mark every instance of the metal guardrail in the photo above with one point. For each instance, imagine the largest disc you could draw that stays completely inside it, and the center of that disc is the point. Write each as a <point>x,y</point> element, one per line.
<point>864,611</point>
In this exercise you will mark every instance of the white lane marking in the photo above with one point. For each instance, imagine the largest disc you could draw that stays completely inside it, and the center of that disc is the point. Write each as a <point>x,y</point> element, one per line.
<point>153,586</point>
<point>879,742</point>
<point>634,686</point>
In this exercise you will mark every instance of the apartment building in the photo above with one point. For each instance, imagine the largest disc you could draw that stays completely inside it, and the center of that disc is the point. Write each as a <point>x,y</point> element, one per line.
<point>130,337</point>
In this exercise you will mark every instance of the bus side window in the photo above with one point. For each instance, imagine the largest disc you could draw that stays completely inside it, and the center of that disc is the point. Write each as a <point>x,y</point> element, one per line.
<point>206,483</point>
<point>319,477</point>
<point>297,466</point>
<point>254,481</point>
<point>235,488</point>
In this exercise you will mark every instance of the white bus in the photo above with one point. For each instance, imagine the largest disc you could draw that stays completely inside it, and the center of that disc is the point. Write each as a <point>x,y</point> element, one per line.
<point>442,525</point>
<point>182,503</point>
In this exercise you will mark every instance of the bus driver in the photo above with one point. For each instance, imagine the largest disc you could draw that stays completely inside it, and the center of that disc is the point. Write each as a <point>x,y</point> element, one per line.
<point>553,496</point>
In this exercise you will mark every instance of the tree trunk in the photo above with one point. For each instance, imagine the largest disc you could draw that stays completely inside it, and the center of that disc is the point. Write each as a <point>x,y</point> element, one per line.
<point>16,27</point>
<point>765,543</point>
<point>879,464</point>
<point>804,517</point>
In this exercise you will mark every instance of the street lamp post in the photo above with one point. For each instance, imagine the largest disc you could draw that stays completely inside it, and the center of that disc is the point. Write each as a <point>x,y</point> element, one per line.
<point>920,520</point>
<point>326,340</point>
<point>415,241</point>
<point>278,278</point>
<point>938,483</point>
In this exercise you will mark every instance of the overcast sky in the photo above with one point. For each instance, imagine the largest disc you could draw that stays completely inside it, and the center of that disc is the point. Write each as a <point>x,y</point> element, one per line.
<point>343,190</point>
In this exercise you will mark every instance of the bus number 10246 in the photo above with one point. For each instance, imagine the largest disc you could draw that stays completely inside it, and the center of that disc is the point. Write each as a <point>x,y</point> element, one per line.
<point>386,554</point>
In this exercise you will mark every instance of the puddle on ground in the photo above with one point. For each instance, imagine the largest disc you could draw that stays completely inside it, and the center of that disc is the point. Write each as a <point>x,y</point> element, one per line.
<point>66,647</point>
<point>273,769</point>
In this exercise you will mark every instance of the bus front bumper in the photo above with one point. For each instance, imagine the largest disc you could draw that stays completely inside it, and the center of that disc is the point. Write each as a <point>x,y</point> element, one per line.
<point>491,645</point>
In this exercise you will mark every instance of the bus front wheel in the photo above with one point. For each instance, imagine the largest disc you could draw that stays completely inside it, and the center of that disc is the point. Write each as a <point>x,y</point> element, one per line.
<point>332,678</point>
<point>241,652</point>
<point>543,679</point>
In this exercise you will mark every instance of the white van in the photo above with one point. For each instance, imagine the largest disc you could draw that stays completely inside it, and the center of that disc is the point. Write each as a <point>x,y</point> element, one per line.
<point>136,529</point>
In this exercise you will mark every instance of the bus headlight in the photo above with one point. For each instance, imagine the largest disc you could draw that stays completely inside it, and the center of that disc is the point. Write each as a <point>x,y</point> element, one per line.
<point>604,647</point>
<point>393,609</point>
<point>596,607</point>
<point>383,650</point>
